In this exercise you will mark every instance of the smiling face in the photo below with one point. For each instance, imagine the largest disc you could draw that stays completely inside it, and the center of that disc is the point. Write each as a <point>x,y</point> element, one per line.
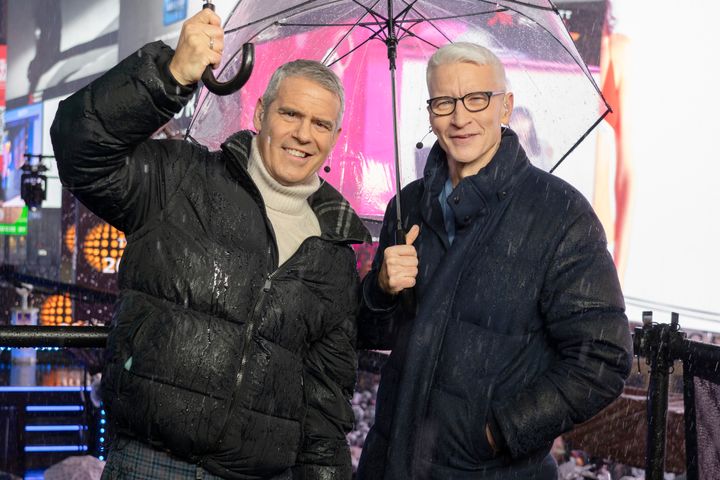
<point>298,130</point>
<point>470,139</point>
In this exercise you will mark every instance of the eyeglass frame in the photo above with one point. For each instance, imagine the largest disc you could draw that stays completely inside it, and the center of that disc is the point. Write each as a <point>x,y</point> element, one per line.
<point>489,96</point>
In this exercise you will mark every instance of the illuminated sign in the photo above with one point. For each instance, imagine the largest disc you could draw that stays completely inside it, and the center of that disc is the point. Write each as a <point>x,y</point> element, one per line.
<point>174,11</point>
<point>103,248</point>
<point>70,236</point>
<point>13,220</point>
<point>56,310</point>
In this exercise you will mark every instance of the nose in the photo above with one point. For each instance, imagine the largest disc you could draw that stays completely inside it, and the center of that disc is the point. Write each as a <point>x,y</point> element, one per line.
<point>460,117</point>
<point>302,132</point>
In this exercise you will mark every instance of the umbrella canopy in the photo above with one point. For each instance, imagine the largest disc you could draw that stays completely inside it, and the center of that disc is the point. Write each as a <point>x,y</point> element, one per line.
<point>553,88</point>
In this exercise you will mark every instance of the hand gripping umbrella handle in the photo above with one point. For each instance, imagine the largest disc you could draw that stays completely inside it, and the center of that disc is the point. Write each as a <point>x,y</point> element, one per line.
<point>235,83</point>
<point>407,296</point>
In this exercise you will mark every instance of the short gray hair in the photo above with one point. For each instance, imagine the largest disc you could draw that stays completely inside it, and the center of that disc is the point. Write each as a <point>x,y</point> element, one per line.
<point>464,52</point>
<point>311,70</point>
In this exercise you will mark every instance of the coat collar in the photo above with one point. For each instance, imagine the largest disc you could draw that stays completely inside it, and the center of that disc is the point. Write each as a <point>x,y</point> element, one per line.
<point>338,221</point>
<point>474,196</point>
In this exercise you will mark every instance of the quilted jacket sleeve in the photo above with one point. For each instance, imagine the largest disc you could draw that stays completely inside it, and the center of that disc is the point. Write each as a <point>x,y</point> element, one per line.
<point>583,308</point>
<point>379,312</point>
<point>100,137</point>
<point>329,383</point>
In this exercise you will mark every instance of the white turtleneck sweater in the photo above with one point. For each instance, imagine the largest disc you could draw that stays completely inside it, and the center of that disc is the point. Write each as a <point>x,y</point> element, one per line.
<point>287,207</point>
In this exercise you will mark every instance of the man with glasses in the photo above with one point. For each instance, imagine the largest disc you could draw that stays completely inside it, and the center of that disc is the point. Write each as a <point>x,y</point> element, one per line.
<point>518,330</point>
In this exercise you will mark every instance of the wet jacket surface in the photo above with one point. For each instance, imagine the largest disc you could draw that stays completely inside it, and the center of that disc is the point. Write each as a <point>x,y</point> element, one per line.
<point>520,324</point>
<point>216,354</point>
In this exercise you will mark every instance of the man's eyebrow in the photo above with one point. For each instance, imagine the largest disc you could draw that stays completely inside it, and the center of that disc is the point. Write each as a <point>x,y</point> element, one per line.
<point>289,110</point>
<point>324,121</point>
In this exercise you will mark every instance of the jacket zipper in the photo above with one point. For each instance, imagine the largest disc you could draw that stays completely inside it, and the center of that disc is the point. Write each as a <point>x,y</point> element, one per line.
<point>250,330</point>
<point>252,321</point>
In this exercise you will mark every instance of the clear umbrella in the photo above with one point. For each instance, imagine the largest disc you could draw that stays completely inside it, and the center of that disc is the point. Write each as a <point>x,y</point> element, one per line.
<point>379,49</point>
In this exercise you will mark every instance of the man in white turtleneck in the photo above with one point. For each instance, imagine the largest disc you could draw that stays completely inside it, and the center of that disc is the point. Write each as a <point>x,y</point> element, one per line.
<point>298,122</point>
<point>232,352</point>
<point>286,205</point>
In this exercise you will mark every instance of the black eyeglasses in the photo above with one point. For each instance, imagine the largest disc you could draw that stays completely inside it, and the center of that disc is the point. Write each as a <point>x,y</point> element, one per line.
<point>474,102</point>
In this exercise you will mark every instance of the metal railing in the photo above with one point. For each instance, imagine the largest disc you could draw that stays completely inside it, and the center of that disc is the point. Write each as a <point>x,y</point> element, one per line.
<point>48,336</point>
<point>660,344</point>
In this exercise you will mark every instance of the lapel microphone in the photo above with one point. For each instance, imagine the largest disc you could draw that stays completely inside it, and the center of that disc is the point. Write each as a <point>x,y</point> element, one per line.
<point>419,145</point>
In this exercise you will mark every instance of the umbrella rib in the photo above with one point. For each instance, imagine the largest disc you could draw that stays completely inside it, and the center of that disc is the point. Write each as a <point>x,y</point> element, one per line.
<point>267,17</point>
<point>355,24</point>
<point>371,37</point>
<point>579,141</point>
<point>412,34</point>
<point>452,17</point>
<point>432,25</point>
<point>399,21</point>
<point>407,31</point>
<point>368,11</point>
<point>580,64</point>
<point>381,20</point>
<point>551,8</point>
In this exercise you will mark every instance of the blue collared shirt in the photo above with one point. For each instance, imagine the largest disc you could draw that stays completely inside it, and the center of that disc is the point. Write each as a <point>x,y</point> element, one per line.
<point>448,215</point>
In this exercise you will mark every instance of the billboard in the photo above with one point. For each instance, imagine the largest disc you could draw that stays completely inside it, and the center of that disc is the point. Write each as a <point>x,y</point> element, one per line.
<point>650,169</point>
<point>57,46</point>
<point>22,134</point>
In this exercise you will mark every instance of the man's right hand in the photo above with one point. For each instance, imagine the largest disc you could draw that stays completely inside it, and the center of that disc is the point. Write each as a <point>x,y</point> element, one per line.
<point>400,265</point>
<point>193,52</point>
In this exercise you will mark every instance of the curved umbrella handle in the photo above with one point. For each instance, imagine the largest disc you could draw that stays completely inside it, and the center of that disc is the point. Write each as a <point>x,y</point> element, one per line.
<point>234,84</point>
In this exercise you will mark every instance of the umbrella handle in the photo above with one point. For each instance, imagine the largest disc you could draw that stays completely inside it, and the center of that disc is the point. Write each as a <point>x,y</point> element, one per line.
<point>235,83</point>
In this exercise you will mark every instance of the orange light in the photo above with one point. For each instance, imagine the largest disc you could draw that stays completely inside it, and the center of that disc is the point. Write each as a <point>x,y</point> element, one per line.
<point>70,236</point>
<point>56,310</point>
<point>103,248</point>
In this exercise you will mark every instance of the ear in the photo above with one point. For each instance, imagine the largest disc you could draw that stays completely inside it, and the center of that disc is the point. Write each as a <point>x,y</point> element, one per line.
<point>258,115</point>
<point>508,102</point>
<point>430,119</point>
<point>336,135</point>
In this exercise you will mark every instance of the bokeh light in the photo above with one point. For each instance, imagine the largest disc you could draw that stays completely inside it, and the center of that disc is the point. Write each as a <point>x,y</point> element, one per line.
<point>103,248</point>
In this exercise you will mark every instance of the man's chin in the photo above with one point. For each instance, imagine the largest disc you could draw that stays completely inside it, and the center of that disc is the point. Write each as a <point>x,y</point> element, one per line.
<point>299,178</point>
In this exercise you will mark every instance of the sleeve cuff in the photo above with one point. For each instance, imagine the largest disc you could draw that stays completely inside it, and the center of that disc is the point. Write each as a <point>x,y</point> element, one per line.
<point>172,85</point>
<point>375,298</point>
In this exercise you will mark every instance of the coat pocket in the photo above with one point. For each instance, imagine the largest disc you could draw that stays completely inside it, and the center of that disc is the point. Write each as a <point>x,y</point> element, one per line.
<point>454,433</point>
<point>175,378</point>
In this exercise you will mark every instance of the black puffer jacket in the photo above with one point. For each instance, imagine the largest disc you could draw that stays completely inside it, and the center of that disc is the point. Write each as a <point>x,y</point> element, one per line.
<point>216,354</point>
<point>520,324</point>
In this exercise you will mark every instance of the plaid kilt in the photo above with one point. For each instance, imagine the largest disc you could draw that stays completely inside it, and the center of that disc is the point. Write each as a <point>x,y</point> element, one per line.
<point>130,459</point>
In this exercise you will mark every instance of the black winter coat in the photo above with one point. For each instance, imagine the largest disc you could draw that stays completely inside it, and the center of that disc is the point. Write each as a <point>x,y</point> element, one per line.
<point>519,325</point>
<point>216,354</point>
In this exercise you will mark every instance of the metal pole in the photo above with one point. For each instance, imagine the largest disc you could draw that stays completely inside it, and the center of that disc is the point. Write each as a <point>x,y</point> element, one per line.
<point>391,43</point>
<point>691,444</point>
<point>51,336</point>
<point>657,412</point>
<point>407,296</point>
<point>656,347</point>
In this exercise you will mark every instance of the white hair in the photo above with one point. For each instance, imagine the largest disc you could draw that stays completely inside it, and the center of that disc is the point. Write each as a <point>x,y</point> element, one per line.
<point>465,52</point>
